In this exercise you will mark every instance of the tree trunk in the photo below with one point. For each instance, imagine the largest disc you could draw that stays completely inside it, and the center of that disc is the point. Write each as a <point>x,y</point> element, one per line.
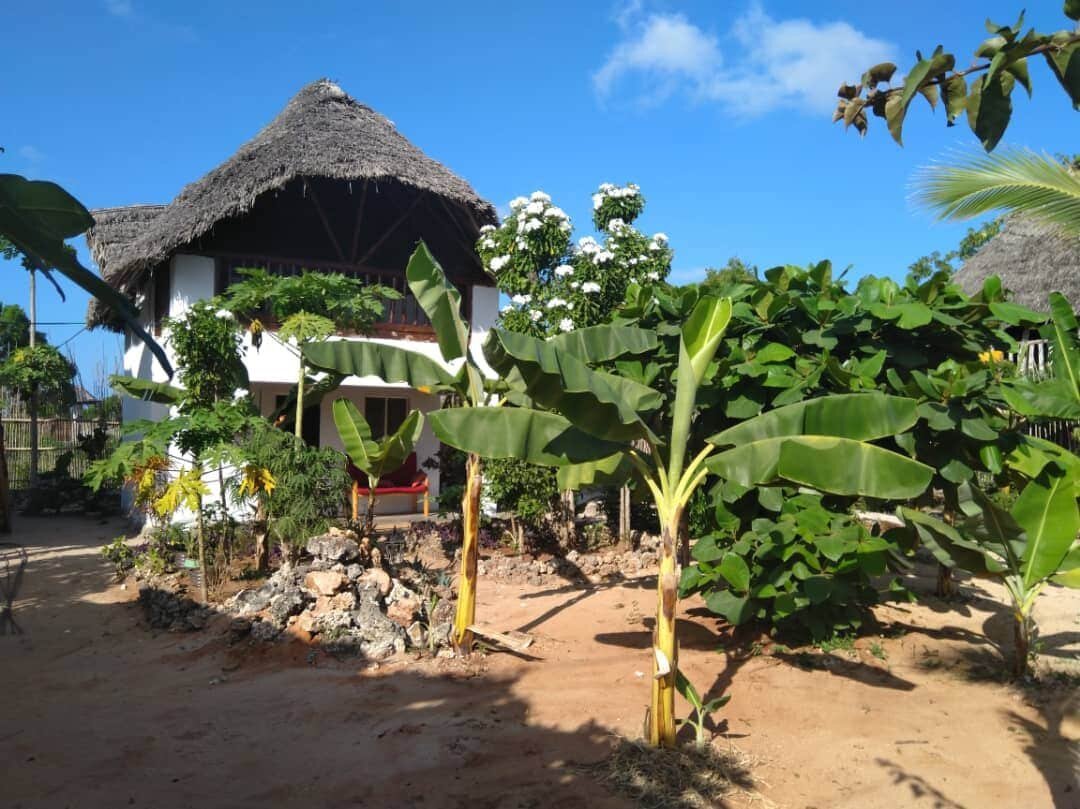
<point>470,525</point>
<point>624,515</point>
<point>1021,644</point>
<point>665,644</point>
<point>202,554</point>
<point>5,499</point>
<point>261,531</point>
<point>946,584</point>
<point>369,515</point>
<point>298,428</point>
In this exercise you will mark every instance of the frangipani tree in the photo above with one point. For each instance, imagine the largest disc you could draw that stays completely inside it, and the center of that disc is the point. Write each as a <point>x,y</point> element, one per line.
<point>611,422</point>
<point>374,458</point>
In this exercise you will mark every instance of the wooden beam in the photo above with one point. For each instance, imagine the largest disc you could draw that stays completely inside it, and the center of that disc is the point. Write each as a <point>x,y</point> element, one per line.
<point>326,222</point>
<point>359,220</point>
<point>389,231</point>
<point>462,240</point>
<point>517,641</point>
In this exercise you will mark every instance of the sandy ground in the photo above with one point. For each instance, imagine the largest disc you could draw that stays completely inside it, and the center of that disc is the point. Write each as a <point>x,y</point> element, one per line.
<point>98,711</point>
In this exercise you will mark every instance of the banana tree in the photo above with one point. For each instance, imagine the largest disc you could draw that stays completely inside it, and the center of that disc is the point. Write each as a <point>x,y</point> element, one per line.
<point>374,458</point>
<point>621,418</point>
<point>459,378</point>
<point>1025,548</point>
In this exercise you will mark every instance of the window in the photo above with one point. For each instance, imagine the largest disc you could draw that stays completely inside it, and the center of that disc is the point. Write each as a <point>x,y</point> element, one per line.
<point>385,414</point>
<point>310,429</point>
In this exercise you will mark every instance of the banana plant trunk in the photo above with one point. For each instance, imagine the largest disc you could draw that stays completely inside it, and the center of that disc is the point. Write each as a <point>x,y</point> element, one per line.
<point>470,526</point>
<point>665,643</point>
<point>1022,630</point>
<point>261,532</point>
<point>369,515</point>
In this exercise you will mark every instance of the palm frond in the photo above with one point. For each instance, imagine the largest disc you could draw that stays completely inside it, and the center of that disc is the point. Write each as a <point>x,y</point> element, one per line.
<point>1019,181</point>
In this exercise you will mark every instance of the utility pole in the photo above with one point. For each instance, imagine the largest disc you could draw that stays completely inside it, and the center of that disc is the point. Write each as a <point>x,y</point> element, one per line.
<point>33,389</point>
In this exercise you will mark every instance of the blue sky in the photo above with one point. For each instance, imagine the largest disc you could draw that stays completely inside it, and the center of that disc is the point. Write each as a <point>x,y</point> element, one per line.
<point>719,111</point>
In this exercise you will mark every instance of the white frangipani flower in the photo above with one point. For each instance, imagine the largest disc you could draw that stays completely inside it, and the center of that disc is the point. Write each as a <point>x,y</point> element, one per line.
<point>564,270</point>
<point>590,287</point>
<point>539,196</point>
<point>653,276</point>
<point>555,303</point>
<point>239,393</point>
<point>660,238</point>
<point>566,324</point>
<point>498,262</point>
<point>224,314</point>
<point>535,315</point>
<point>517,203</point>
<point>487,229</point>
<point>534,208</point>
<point>521,300</point>
<point>555,213</point>
<point>533,224</point>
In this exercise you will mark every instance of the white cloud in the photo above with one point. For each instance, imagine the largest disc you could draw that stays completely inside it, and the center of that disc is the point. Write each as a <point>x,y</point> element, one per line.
<point>119,8</point>
<point>763,65</point>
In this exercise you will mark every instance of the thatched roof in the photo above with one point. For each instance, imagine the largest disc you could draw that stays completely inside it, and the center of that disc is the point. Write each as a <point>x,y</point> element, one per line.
<point>1031,259</point>
<point>321,133</point>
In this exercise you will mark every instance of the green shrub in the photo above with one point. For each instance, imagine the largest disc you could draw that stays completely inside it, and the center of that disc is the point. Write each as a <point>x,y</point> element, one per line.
<point>529,491</point>
<point>806,569</point>
<point>120,555</point>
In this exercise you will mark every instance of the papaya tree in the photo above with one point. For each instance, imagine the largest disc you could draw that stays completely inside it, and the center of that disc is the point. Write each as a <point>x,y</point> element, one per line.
<point>634,430</point>
<point>374,458</point>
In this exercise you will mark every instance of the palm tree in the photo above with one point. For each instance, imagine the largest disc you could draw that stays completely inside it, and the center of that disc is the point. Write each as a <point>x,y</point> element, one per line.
<point>1019,181</point>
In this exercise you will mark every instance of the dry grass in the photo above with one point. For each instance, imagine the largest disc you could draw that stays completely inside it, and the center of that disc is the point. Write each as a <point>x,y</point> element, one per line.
<point>685,778</point>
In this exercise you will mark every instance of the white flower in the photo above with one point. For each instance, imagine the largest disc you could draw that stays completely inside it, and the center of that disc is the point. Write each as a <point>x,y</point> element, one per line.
<point>488,243</point>
<point>508,308</point>
<point>566,324</point>
<point>570,306</point>
<point>564,270</point>
<point>517,203</point>
<point>555,213</point>
<point>535,315</point>
<point>224,314</point>
<point>533,224</point>
<point>521,300</point>
<point>498,262</point>
<point>520,243</point>
<point>605,187</point>
<point>539,196</point>
<point>574,284</point>
<point>487,229</point>
<point>653,276</point>
<point>565,226</point>
<point>555,303</point>
<point>534,208</point>
<point>239,393</point>
<point>616,225</point>
<point>590,287</point>
<point>660,238</point>
<point>655,246</point>
<point>597,201</point>
<point>602,256</point>
<point>587,244</point>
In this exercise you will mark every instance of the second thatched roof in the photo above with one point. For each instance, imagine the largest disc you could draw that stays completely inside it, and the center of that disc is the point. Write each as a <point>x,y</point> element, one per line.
<point>1031,259</point>
<point>321,133</point>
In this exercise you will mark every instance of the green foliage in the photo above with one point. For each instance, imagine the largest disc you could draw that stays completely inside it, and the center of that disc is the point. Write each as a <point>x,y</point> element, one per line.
<point>555,286</point>
<point>736,271</point>
<point>120,555</point>
<point>1019,181</point>
<point>14,329</point>
<point>529,491</point>
<point>983,90</point>
<point>36,217</point>
<point>312,483</point>
<point>348,303</point>
<point>800,566</point>
<point>40,369</point>
<point>701,710</point>
<point>209,351</point>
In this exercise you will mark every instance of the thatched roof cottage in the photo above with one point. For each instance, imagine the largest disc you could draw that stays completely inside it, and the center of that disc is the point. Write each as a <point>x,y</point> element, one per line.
<point>331,185</point>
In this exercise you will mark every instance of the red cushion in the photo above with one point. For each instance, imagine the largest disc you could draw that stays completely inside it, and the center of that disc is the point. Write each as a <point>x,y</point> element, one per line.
<point>404,480</point>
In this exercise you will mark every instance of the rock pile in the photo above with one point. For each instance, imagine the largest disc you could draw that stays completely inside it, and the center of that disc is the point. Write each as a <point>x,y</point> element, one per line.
<point>342,599</point>
<point>175,612</point>
<point>576,566</point>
